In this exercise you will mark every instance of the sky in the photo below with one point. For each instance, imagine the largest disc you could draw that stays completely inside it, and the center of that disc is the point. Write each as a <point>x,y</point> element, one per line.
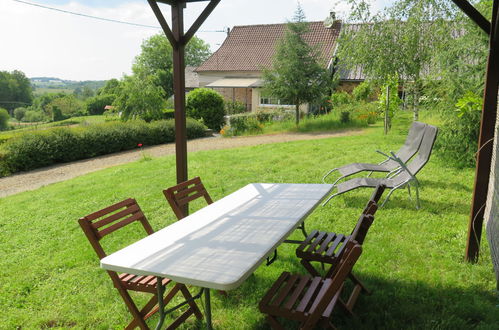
<point>47,43</point>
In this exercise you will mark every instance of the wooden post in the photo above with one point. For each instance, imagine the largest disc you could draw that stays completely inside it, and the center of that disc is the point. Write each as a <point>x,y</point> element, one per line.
<point>485,143</point>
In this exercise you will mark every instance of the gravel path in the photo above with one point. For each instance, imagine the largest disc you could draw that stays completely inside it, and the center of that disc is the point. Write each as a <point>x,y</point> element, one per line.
<point>35,179</point>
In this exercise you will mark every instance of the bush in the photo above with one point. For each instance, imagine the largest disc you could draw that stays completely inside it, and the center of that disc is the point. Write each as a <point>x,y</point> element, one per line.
<point>4,119</point>
<point>41,148</point>
<point>244,122</point>
<point>458,138</point>
<point>362,92</point>
<point>345,117</point>
<point>168,114</point>
<point>234,108</point>
<point>208,105</point>
<point>340,98</point>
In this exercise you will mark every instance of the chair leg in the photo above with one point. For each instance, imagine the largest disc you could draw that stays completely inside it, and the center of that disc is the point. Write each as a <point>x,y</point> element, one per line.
<point>273,323</point>
<point>192,303</point>
<point>308,266</point>
<point>138,320</point>
<point>356,281</point>
<point>418,204</point>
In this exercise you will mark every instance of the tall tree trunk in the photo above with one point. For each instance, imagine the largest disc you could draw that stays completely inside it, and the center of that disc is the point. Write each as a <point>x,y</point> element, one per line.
<point>417,95</point>
<point>297,109</point>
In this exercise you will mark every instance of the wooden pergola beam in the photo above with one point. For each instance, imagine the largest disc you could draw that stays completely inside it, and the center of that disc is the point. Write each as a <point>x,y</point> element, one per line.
<point>473,14</point>
<point>178,40</point>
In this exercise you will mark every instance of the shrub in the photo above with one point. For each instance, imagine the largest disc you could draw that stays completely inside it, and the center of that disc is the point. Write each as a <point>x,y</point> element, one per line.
<point>234,107</point>
<point>4,119</point>
<point>168,113</point>
<point>345,117</point>
<point>362,92</point>
<point>458,138</point>
<point>244,122</point>
<point>340,98</point>
<point>41,148</point>
<point>208,105</point>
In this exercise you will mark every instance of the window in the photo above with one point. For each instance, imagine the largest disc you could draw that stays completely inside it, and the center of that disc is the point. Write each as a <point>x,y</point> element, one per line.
<point>268,100</point>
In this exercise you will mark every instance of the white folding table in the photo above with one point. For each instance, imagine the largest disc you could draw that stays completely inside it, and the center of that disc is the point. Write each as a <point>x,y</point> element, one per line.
<point>219,246</point>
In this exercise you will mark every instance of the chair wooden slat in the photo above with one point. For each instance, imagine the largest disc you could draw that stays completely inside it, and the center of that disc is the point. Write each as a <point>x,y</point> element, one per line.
<point>268,296</point>
<point>332,249</point>
<point>121,224</point>
<point>304,280</point>
<point>325,243</point>
<point>309,294</point>
<point>118,215</point>
<point>109,209</point>
<point>290,282</point>
<point>185,192</point>
<point>315,241</point>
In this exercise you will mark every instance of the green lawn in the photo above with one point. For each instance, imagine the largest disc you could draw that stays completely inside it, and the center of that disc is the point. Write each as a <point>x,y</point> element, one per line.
<point>412,260</point>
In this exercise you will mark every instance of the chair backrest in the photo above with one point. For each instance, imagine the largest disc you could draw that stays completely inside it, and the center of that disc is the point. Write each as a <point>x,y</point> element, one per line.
<point>360,230</point>
<point>377,193</point>
<point>185,192</point>
<point>411,144</point>
<point>424,153</point>
<point>101,223</point>
<point>332,285</point>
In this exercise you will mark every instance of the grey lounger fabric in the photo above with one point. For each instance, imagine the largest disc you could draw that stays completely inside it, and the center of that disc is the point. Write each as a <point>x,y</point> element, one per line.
<point>406,152</point>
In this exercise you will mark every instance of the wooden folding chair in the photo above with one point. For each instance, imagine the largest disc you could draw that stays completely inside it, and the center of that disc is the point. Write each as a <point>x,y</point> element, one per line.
<point>308,300</point>
<point>326,247</point>
<point>185,192</point>
<point>106,221</point>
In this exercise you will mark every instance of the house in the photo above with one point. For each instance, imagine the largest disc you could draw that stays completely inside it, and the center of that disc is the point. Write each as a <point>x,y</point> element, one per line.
<point>235,69</point>
<point>191,78</point>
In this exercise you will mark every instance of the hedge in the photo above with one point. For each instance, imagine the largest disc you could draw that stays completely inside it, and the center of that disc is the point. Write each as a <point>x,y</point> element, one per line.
<point>42,148</point>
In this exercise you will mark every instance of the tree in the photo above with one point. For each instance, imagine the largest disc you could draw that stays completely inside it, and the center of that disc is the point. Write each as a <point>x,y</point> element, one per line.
<point>140,98</point>
<point>296,74</point>
<point>65,107</point>
<point>4,119</point>
<point>15,90</point>
<point>156,59</point>
<point>400,41</point>
<point>111,87</point>
<point>19,113</point>
<point>95,105</point>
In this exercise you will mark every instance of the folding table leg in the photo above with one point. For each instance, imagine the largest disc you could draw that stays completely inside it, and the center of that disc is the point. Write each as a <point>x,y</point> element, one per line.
<point>207,304</point>
<point>161,304</point>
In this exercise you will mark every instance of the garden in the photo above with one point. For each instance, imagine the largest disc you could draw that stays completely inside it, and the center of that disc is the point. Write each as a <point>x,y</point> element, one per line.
<point>412,260</point>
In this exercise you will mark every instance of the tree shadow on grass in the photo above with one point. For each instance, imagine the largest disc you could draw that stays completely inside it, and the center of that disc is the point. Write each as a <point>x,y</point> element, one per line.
<point>403,304</point>
<point>446,185</point>
<point>402,202</point>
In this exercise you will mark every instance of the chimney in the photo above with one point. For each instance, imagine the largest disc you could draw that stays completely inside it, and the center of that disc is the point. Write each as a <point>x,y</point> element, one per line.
<point>329,21</point>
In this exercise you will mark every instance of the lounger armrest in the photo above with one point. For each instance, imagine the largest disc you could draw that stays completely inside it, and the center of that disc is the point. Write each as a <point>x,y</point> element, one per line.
<point>401,163</point>
<point>382,153</point>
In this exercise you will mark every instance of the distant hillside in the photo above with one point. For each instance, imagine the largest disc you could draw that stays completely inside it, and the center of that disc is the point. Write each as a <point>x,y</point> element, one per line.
<point>50,84</point>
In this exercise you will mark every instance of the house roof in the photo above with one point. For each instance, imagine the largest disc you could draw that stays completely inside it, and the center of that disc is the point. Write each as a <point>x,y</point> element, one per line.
<point>252,47</point>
